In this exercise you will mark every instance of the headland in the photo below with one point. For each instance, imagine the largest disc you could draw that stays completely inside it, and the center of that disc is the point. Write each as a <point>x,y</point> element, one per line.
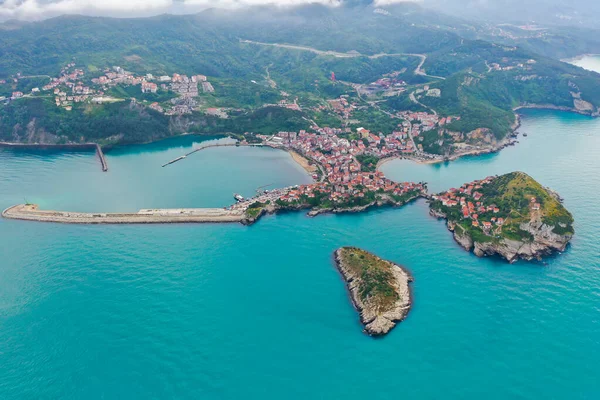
<point>511,216</point>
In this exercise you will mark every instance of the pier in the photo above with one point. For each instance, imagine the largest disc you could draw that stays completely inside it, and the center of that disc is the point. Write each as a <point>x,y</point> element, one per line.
<point>31,212</point>
<point>236,144</point>
<point>103,162</point>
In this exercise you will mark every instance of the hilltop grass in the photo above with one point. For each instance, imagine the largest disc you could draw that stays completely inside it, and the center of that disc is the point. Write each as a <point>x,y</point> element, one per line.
<point>514,192</point>
<point>376,278</point>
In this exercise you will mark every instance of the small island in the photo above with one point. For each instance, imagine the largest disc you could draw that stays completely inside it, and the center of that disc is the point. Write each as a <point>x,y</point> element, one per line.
<point>379,289</point>
<point>511,215</point>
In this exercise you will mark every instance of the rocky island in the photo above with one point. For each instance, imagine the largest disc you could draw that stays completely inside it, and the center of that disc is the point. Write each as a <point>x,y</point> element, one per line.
<point>379,289</point>
<point>511,215</point>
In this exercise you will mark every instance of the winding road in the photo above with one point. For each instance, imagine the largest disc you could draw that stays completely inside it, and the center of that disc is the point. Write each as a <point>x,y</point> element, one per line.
<point>418,70</point>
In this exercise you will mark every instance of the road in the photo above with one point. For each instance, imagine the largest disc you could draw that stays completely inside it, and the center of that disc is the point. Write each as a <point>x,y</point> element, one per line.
<point>418,70</point>
<point>412,139</point>
<point>272,83</point>
<point>414,100</point>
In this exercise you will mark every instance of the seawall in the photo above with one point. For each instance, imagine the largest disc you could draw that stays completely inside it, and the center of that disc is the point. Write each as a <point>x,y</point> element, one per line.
<point>31,212</point>
<point>103,162</point>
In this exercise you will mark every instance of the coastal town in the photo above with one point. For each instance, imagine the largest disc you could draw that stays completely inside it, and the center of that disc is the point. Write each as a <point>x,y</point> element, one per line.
<point>343,182</point>
<point>475,207</point>
<point>422,135</point>
<point>71,87</point>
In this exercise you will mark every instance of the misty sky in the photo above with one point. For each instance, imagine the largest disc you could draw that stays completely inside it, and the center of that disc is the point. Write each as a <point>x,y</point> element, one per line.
<point>40,9</point>
<point>558,10</point>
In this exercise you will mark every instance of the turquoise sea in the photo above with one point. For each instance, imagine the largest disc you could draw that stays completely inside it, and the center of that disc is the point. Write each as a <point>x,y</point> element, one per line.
<point>235,312</point>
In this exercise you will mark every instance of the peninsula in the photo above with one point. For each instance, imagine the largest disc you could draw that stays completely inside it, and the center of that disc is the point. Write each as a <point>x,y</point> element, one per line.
<point>379,289</point>
<point>511,215</point>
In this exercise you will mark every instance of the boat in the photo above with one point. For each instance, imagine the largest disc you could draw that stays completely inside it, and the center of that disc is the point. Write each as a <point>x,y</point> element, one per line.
<point>238,197</point>
<point>524,134</point>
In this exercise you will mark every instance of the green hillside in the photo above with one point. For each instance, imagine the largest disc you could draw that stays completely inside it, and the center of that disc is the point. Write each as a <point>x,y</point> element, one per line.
<point>484,80</point>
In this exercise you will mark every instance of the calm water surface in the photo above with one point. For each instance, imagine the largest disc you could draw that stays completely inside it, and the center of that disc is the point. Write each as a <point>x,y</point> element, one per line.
<point>230,312</point>
<point>589,62</point>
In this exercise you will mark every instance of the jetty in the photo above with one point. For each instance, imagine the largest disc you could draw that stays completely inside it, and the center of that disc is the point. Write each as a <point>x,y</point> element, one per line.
<point>204,147</point>
<point>103,162</point>
<point>31,212</point>
<point>174,160</point>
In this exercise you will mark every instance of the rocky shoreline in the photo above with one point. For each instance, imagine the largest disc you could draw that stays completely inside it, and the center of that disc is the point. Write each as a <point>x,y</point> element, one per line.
<point>270,209</point>
<point>544,243</point>
<point>377,320</point>
<point>559,108</point>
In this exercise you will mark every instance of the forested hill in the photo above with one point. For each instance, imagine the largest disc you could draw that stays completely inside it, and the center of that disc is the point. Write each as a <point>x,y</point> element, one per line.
<point>341,52</point>
<point>209,40</point>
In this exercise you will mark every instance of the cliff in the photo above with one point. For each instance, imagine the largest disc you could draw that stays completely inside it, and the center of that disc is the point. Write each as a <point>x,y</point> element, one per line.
<point>379,289</point>
<point>544,243</point>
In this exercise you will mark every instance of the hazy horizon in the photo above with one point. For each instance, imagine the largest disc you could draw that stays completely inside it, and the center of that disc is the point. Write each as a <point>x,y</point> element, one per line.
<point>553,12</point>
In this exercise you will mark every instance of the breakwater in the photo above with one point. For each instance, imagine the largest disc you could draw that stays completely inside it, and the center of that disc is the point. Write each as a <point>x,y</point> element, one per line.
<point>206,147</point>
<point>103,162</point>
<point>31,212</point>
<point>71,146</point>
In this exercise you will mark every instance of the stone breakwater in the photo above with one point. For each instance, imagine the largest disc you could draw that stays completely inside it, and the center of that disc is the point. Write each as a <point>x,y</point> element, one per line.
<point>30,212</point>
<point>377,321</point>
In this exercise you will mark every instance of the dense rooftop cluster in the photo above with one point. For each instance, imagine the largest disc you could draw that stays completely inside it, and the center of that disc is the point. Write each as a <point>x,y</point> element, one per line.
<point>343,180</point>
<point>69,88</point>
<point>474,205</point>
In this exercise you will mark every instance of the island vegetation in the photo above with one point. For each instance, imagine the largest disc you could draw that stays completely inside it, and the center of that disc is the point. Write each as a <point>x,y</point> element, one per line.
<point>379,289</point>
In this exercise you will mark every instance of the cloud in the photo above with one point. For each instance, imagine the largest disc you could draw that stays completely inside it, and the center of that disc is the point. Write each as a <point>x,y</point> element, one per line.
<point>389,2</point>
<point>35,9</point>
<point>243,3</point>
<point>41,9</point>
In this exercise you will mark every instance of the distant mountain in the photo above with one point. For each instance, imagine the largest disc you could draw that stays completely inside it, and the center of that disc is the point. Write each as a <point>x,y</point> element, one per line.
<point>547,12</point>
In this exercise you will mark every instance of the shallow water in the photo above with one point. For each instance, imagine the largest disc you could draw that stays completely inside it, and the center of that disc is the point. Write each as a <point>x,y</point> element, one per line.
<point>229,312</point>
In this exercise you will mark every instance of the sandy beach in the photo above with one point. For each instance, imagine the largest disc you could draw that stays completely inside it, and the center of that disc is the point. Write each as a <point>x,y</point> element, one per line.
<point>304,163</point>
